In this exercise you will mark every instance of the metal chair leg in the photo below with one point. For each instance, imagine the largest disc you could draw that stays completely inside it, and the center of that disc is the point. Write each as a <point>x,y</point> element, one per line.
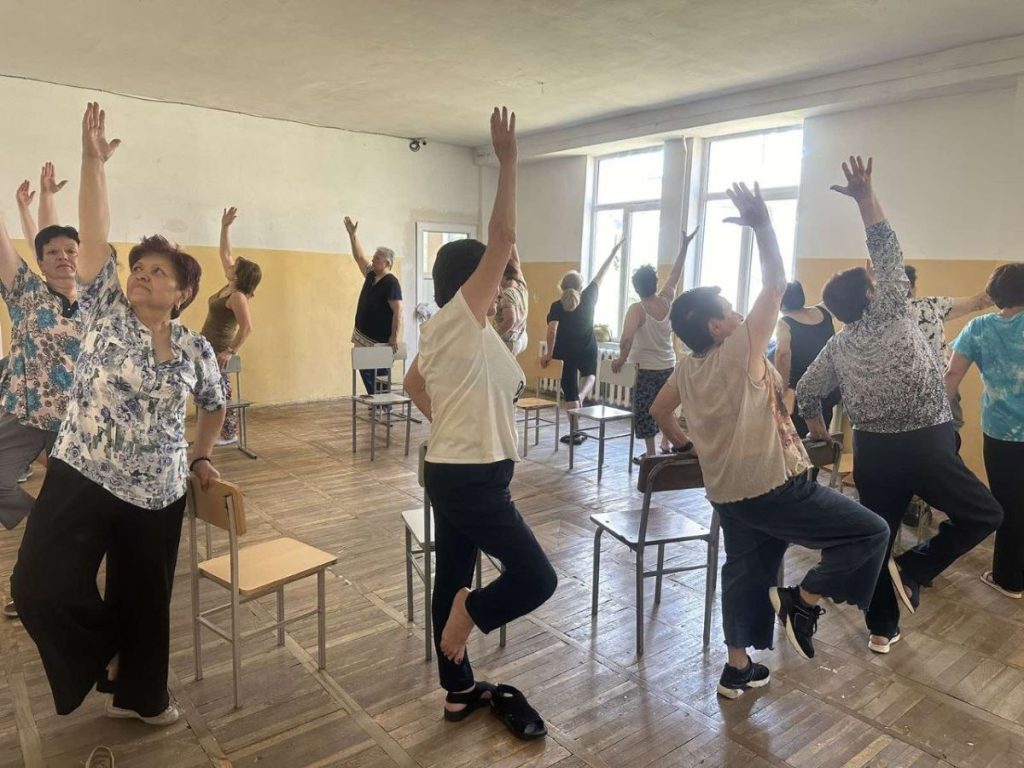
<point>354,419</point>
<point>236,648</point>
<point>408,425</point>
<point>558,425</point>
<point>280,615</point>
<point>526,433</point>
<point>501,637</point>
<point>428,617</point>
<point>632,447</point>
<point>600,452</point>
<point>573,423</point>
<point>373,432</point>
<point>597,571</point>
<point>321,619</point>
<point>709,591</point>
<point>408,574</point>
<point>657,579</point>
<point>479,569</point>
<point>639,602</point>
<point>536,426</point>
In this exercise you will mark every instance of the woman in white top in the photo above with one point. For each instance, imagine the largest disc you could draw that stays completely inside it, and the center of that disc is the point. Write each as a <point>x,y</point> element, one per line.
<point>466,381</point>
<point>647,341</point>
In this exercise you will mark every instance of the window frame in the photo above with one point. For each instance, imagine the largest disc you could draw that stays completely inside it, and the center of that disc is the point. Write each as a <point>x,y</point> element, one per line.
<point>791,192</point>
<point>628,209</point>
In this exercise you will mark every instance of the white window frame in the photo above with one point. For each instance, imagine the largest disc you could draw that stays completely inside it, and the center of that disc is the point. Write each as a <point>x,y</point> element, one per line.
<point>747,236</point>
<point>628,209</point>
<point>423,295</point>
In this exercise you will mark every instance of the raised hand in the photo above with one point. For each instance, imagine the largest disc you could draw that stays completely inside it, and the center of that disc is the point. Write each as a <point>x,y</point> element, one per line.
<point>858,179</point>
<point>503,135</point>
<point>229,216</point>
<point>688,238</point>
<point>48,183</point>
<point>94,134</point>
<point>24,195</point>
<point>350,226</point>
<point>750,205</point>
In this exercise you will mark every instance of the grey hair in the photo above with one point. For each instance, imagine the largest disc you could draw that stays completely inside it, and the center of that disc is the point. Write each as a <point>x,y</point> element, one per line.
<point>387,253</point>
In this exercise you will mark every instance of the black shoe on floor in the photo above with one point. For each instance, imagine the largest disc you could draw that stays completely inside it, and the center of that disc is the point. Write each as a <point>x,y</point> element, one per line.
<point>799,618</point>
<point>735,682</point>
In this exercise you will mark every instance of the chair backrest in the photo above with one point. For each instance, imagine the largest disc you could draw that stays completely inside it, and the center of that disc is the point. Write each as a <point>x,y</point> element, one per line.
<point>234,365</point>
<point>371,358</point>
<point>675,472</point>
<point>823,454</point>
<point>219,504</point>
<point>626,377</point>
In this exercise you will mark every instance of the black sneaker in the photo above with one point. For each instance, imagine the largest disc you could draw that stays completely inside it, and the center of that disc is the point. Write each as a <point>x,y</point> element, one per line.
<point>799,618</point>
<point>735,682</point>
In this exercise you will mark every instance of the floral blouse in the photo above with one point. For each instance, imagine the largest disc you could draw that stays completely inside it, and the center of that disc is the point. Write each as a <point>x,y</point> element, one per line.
<point>45,340</point>
<point>125,426</point>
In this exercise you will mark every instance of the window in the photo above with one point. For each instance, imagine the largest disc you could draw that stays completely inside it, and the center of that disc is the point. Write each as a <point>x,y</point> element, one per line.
<point>627,203</point>
<point>429,239</point>
<point>728,254</point>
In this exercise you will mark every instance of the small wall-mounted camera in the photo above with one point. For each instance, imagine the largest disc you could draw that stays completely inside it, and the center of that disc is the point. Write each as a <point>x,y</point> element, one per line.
<point>415,144</point>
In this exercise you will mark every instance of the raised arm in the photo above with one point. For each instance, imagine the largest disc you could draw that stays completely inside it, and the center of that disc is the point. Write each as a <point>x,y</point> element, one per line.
<point>357,248</point>
<point>25,196</point>
<point>607,264</point>
<point>227,261</point>
<point>965,305</point>
<point>634,319</point>
<point>481,287</point>
<point>10,261</point>
<point>858,186</point>
<point>93,206</point>
<point>48,188</point>
<point>764,313</point>
<point>516,264</point>
<point>668,291</point>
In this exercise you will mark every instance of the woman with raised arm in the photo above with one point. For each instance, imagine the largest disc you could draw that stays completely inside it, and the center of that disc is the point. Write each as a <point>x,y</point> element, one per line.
<point>228,320</point>
<point>647,341</point>
<point>116,480</point>
<point>466,381</point>
<point>571,335</point>
<point>379,312</point>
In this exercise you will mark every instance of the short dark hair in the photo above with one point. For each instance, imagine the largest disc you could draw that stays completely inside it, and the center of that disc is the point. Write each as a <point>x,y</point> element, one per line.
<point>645,281</point>
<point>454,264</point>
<point>793,297</point>
<point>911,275</point>
<point>846,294</point>
<point>691,313</point>
<point>186,268</point>
<point>247,276</point>
<point>1006,286</point>
<point>52,232</point>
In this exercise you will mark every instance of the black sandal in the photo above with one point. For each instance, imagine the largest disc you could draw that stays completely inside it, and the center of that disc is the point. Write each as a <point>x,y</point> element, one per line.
<point>511,707</point>
<point>473,700</point>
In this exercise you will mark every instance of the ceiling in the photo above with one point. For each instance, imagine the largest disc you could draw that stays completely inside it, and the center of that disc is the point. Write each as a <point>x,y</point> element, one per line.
<point>433,68</point>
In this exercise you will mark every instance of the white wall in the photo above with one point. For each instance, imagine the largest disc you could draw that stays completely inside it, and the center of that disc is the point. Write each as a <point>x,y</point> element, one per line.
<point>945,172</point>
<point>179,166</point>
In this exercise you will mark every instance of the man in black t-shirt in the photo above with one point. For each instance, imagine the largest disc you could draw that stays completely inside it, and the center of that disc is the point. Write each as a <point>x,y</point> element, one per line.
<point>379,312</point>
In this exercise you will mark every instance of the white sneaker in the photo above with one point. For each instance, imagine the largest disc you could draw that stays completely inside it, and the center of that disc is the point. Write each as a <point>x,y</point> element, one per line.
<point>226,441</point>
<point>100,757</point>
<point>10,612</point>
<point>167,717</point>
<point>883,647</point>
<point>986,578</point>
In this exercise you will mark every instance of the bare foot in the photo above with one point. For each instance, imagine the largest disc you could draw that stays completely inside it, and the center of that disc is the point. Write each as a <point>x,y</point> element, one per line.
<point>456,630</point>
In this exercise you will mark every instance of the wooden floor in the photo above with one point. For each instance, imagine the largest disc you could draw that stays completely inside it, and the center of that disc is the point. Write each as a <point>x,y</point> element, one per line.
<point>951,693</point>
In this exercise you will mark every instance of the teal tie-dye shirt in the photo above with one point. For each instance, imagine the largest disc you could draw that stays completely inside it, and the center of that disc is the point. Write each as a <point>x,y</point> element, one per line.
<point>996,345</point>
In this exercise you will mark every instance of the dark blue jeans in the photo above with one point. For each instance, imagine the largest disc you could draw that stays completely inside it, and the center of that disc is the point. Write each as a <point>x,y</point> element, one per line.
<point>890,469</point>
<point>757,531</point>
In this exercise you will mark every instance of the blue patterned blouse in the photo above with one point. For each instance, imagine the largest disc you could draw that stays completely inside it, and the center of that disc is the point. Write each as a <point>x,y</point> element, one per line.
<point>125,426</point>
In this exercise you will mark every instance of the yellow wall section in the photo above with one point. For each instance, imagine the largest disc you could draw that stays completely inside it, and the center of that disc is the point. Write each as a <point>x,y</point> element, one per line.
<point>303,313</point>
<point>934,278</point>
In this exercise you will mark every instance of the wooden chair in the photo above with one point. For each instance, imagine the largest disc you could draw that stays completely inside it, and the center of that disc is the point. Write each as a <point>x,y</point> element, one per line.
<point>534,406</point>
<point>381,405</point>
<point>238,403</point>
<point>247,574</point>
<point>419,546</point>
<point>604,414</point>
<point>641,529</point>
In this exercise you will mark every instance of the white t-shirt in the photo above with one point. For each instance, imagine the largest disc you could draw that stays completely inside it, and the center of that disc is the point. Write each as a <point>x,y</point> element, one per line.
<point>473,381</point>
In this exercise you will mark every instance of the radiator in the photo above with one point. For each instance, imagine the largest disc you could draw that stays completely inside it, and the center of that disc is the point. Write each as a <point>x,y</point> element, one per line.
<point>618,397</point>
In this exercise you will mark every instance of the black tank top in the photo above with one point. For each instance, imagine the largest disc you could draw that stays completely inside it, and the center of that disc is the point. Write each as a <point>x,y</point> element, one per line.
<point>806,341</point>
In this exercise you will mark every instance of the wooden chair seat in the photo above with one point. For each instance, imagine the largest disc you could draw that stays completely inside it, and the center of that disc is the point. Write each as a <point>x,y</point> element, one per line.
<point>535,403</point>
<point>232,405</point>
<point>601,413</point>
<point>384,398</point>
<point>413,519</point>
<point>664,527</point>
<point>262,568</point>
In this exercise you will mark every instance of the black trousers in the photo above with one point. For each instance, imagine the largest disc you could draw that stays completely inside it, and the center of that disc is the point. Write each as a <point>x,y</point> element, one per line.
<point>889,470</point>
<point>473,510</point>
<point>74,524</point>
<point>1004,462</point>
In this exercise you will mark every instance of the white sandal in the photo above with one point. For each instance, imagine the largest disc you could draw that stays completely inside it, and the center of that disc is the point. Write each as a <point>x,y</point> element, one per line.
<point>986,578</point>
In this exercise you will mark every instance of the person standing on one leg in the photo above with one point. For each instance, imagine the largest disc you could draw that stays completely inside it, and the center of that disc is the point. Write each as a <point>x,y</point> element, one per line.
<point>465,381</point>
<point>45,335</point>
<point>755,469</point>
<point>115,483</point>
<point>995,343</point>
<point>903,437</point>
